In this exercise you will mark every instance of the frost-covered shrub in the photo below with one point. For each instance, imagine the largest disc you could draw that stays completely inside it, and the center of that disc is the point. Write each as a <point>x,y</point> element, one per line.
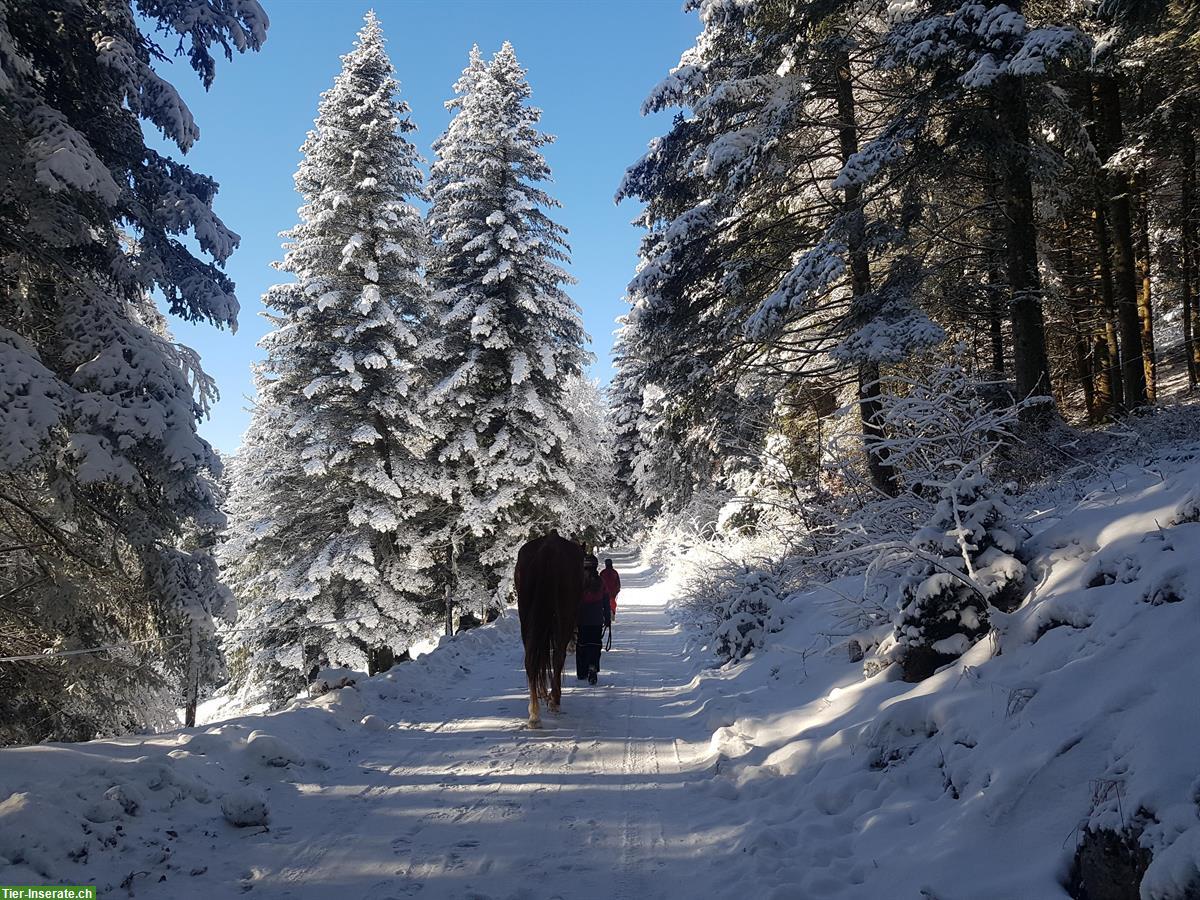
<point>964,562</point>
<point>942,437</point>
<point>245,806</point>
<point>1188,509</point>
<point>687,541</point>
<point>748,614</point>
<point>730,590</point>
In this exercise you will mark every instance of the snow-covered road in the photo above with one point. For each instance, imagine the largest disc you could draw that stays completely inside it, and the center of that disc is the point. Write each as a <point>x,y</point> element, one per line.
<point>464,801</point>
<point>457,798</point>
<point>789,776</point>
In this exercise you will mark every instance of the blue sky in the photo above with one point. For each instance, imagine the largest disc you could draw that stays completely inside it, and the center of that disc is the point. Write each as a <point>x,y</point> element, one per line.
<point>591,64</point>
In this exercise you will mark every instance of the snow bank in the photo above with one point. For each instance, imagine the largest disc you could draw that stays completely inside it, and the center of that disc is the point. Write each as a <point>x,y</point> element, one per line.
<point>1077,713</point>
<point>244,806</point>
<point>148,812</point>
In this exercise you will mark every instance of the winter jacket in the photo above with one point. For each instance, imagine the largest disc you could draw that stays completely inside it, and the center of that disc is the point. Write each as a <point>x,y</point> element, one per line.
<point>594,612</point>
<point>612,585</point>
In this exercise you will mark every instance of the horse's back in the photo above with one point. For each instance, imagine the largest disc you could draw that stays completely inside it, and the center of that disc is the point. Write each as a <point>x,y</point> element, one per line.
<point>524,561</point>
<point>550,559</point>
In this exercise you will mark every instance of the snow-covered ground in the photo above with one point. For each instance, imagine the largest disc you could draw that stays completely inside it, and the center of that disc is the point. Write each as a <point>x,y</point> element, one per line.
<point>421,780</point>
<point>789,775</point>
<point>978,783</point>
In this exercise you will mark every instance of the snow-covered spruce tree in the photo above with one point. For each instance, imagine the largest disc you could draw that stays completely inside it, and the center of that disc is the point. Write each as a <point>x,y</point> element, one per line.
<point>591,509</point>
<point>761,257</point>
<point>942,436</point>
<point>965,562</point>
<point>102,472</point>
<point>332,498</point>
<point>511,338</point>
<point>625,413</point>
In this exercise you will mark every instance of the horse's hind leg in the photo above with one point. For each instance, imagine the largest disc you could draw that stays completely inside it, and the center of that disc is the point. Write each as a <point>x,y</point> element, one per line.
<point>535,718</point>
<point>560,657</point>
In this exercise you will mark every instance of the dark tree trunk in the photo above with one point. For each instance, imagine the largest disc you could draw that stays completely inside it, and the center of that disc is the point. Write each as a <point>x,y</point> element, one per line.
<point>996,332</point>
<point>1030,364</point>
<point>1145,304</point>
<point>883,474</point>
<point>1187,191</point>
<point>1108,353</point>
<point>995,281</point>
<point>451,584</point>
<point>1080,346</point>
<point>192,699</point>
<point>1117,193</point>
<point>380,659</point>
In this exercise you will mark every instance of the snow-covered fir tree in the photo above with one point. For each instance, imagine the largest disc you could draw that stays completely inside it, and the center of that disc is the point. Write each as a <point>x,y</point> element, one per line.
<point>592,508</point>
<point>332,496</point>
<point>651,471</point>
<point>105,486</point>
<point>965,562</point>
<point>624,397</point>
<point>511,336</point>
<point>943,436</point>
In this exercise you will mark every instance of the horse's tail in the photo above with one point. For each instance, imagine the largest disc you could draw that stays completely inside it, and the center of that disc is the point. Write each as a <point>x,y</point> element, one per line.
<point>542,588</point>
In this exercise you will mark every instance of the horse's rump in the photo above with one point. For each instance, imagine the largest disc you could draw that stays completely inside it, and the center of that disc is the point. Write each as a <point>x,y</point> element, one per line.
<point>549,579</point>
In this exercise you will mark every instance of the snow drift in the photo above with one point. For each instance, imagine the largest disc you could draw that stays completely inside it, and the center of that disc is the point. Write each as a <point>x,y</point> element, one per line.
<point>144,810</point>
<point>1074,716</point>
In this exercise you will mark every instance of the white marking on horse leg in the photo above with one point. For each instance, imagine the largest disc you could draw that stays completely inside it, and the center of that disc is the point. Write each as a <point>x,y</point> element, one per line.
<point>535,719</point>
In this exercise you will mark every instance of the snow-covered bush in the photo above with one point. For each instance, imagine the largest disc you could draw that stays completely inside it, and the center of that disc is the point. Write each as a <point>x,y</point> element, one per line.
<point>747,613</point>
<point>963,563</point>
<point>942,435</point>
<point>730,588</point>
<point>674,536</point>
<point>245,806</point>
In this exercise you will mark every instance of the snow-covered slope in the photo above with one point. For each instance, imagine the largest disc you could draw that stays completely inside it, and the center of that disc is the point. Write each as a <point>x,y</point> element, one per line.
<point>980,781</point>
<point>421,780</point>
<point>788,775</point>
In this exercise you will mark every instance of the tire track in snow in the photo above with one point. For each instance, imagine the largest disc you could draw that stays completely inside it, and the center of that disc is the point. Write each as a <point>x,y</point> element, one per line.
<point>641,830</point>
<point>305,859</point>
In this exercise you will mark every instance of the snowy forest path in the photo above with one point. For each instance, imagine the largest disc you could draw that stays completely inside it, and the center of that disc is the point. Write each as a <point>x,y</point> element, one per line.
<point>462,800</point>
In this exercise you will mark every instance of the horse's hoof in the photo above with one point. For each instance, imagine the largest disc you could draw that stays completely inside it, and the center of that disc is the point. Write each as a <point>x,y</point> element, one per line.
<point>535,723</point>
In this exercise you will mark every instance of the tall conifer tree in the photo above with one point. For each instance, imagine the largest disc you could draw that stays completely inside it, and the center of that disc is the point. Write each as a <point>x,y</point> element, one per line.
<point>512,337</point>
<point>106,499</point>
<point>329,535</point>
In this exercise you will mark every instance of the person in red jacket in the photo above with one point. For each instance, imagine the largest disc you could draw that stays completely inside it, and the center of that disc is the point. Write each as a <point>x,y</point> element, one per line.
<point>612,584</point>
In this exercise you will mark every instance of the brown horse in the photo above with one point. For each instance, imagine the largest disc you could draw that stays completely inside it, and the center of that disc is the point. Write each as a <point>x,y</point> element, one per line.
<point>549,580</point>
